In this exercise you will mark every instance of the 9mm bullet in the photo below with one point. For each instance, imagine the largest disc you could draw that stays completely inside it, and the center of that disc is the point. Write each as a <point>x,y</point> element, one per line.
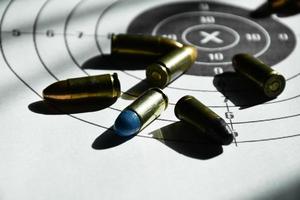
<point>172,57</point>
<point>268,80</point>
<point>89,88</point>
<point>171,66</point>
<point>141,112</point>
<point>192,111</point>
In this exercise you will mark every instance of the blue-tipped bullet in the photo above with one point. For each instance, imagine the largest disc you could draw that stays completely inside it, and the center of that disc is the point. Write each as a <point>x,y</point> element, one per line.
<point>127,123</point>
<point>141,112</point>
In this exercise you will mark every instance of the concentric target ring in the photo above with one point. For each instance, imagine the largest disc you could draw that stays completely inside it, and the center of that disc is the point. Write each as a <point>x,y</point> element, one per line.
<point>54,75</point>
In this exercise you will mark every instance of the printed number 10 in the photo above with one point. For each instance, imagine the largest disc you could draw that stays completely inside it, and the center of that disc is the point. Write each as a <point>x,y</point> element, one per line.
<point>216,56</point>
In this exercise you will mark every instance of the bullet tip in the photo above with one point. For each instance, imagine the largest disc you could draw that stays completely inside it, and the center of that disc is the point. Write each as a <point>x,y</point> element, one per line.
<point>55,91</point>
<point>128,123</point>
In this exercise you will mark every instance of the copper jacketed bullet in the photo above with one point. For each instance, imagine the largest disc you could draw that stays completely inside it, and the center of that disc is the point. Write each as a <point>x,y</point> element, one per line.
<point>89,88</point>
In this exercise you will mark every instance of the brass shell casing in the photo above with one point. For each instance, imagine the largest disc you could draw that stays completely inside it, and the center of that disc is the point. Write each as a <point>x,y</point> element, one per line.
<point>84,89</point>
<point>268,80</point>
<point>192,111</point>
<point>142,45</point>
<point>149,105</point>
<point>171,66</point>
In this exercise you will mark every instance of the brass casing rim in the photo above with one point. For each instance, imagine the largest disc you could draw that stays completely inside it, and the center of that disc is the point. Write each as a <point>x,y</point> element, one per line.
<point>163,72</point>
<point>274,76</point>
<point>115,85</point>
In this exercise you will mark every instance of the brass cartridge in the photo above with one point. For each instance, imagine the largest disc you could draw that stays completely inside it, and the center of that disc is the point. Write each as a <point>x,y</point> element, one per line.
<point>141,112</point>
<point>268,80</point>
<point>87,88</point>
<point>142,45</point>
<point>192,111</point>
<point>171,66</point>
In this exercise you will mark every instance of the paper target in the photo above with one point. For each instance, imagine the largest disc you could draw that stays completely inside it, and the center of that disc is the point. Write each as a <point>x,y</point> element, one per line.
<point>218,31</point>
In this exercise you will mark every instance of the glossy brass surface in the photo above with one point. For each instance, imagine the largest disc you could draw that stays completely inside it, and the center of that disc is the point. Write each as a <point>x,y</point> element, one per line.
<point>149,105</point>
<point>84,89</point>
<point>267,79</point>
<point>171,66</point>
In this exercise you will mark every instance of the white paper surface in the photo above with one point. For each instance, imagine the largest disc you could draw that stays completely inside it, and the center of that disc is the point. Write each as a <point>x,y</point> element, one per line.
<point>58,156</point>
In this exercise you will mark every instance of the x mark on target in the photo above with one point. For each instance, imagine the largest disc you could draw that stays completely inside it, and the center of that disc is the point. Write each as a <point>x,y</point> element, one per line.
<point>207,37</point>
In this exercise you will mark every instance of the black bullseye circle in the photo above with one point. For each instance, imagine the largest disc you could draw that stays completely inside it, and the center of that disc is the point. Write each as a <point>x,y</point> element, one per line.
<point>218,31</point>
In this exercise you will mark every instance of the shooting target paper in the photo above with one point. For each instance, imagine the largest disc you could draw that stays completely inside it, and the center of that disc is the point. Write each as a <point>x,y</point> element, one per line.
<point>72,152</point>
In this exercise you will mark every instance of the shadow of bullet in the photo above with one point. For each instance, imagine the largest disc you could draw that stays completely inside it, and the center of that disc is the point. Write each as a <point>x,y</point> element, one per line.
<point>239,90</point>
<point>188,141</point>
<point>136,90</point>
<point>58,108</point>
<point>109,139</point>
<point>118,62</point>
